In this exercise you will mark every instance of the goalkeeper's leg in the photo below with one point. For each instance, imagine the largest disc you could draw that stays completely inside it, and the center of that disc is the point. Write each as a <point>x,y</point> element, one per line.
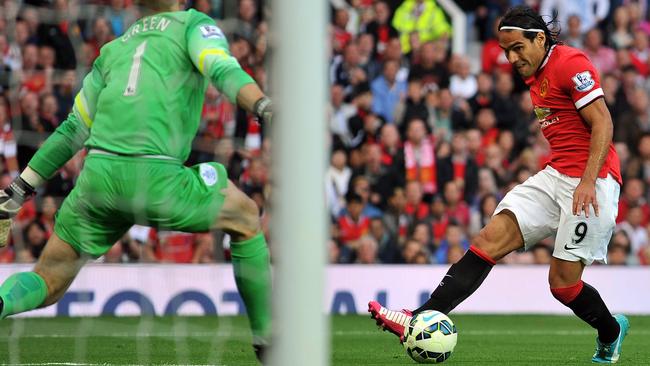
<point>239,217</point>
<point>55,270</point>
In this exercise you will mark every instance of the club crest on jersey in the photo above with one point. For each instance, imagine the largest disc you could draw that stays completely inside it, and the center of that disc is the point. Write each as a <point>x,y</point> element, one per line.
<point>208,174</point>
<point>583,81</point>
<point>543,89</point>
<point>211,31</point>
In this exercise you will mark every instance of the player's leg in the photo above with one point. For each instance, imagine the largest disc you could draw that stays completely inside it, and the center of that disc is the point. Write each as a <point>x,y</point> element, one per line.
<point>581,240</point>
<point>55,270</point>
<point>239,217</point>
<point>568,288</point>
<point>526,215</point>
<point>202,198</point>
<point>498,238</point>
<point>87,225</point>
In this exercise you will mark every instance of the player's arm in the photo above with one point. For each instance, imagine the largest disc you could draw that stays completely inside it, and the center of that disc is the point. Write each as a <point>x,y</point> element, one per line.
<point>597,116</point>
<point>208,50</point>
<point>579,79</point>
<point>60,147</point>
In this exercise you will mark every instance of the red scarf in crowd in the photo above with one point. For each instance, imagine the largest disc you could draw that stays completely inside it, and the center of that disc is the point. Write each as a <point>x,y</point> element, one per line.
<point>423,170</point>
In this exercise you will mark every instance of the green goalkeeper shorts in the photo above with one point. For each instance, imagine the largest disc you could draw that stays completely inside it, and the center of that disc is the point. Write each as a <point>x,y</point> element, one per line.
<point>114,192</point>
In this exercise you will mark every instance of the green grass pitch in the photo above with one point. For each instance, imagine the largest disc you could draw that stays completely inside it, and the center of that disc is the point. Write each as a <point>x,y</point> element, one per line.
<point>482,340</point>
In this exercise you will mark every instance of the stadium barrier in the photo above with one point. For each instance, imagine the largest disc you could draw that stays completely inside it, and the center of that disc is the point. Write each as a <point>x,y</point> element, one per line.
<point>159,289</point>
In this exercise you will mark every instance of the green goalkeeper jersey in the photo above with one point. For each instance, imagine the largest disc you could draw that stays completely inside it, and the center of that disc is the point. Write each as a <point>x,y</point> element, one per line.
<point>145,92</point>
<point>153,87</point>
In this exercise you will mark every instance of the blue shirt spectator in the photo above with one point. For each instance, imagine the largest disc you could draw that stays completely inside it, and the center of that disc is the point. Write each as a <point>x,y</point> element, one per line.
<point>387,91</point>
<point>454,236</point>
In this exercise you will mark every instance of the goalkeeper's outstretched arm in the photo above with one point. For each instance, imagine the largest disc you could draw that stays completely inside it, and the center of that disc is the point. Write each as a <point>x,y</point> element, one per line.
<point>208,49</point>
<point>71,135</point>
<point>60,147</point>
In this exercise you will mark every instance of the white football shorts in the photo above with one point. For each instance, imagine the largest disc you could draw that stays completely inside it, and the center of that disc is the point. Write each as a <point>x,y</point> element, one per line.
<point>543,206</point>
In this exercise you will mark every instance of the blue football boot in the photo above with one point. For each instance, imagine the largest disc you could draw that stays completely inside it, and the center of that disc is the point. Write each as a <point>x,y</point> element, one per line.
<point>609,353</point>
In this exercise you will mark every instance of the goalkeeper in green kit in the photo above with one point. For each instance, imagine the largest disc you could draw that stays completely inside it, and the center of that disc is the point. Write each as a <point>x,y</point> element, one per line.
<point>137,114</point>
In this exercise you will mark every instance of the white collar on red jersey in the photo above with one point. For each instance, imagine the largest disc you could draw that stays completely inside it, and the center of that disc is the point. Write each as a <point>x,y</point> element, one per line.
<point>548,55</point>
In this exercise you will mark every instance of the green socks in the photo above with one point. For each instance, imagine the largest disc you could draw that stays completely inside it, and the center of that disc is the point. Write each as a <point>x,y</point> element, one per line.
<point>22,292</point>
<point>251,264</point>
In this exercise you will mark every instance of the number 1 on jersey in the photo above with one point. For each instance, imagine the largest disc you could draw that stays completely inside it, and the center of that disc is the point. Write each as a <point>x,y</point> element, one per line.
<point>132,85</point>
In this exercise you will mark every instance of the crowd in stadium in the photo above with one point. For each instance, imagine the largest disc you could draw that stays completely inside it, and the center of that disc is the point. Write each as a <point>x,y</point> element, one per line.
<point>424,142</point>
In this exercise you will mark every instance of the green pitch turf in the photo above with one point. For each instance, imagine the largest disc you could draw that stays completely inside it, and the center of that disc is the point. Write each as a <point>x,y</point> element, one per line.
<point>482,340</point>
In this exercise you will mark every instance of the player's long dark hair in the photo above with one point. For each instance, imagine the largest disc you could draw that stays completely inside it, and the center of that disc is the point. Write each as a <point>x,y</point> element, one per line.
<point>526,18</point>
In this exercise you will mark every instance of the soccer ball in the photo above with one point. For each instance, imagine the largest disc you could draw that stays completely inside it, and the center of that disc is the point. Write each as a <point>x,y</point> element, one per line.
<point>430,337</point>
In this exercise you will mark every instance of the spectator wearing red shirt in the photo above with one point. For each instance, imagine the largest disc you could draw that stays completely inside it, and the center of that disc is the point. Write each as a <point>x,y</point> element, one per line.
<point>457,209</point>
<point>32,78</point>
<point>178,247</point>
<point>633,195</point>
<point>475,145</point>
<point>486,122</point>
<point>218,114</point>
<point>484,97</point>
<point>438,219</point>
<point>492,56</point>
<point>415,207</point>
<point>352,223</point>
<point>460,167</point>
<point>340,36</point>
<point>391,148</point>
<point>101,35</point>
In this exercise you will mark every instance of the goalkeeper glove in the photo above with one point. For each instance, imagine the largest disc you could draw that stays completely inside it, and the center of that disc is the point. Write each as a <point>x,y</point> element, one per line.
<point>13,197</point>
<point>263,109</point>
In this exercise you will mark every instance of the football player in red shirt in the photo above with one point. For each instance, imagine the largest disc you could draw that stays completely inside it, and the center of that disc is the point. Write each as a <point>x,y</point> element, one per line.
<point>575,197</point>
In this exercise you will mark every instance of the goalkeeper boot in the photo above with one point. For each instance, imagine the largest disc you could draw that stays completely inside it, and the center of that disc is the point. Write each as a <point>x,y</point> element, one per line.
<point>610,352</point>
<point>260,352</point>
<point>390,320</point>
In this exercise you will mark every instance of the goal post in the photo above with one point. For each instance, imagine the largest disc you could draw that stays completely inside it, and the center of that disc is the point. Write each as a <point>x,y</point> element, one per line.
<point>298,80</point>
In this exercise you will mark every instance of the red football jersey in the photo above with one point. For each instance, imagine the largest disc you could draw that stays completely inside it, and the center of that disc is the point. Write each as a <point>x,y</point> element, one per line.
<point>565,83</point>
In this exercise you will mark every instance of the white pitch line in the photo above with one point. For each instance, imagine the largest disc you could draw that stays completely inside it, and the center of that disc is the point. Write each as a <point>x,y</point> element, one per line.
<point>346,333</point>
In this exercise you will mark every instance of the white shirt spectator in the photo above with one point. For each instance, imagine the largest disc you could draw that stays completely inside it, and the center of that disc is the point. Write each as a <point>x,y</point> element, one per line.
<point>336,183</point>
<point>589,11</point>
<point>463,87</point>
